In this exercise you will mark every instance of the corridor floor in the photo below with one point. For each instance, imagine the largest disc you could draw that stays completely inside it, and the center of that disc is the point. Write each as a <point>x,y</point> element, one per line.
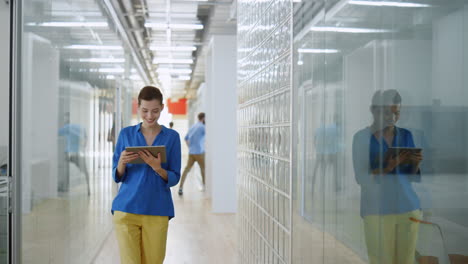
<point>196,235</point>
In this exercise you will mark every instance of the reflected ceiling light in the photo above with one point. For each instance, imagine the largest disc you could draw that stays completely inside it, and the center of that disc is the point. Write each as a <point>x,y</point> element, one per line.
<point>111,70</point>
<point>387,3</point>
<point>172,26</point>
<point>300,62</point>
<point>173,48</point>
<point>101,60</point>
<point>349,30</point>
<point>175,61</point>
<point>164,78</point>
<point>184,77</point>
<point>110,77</point>
<point>174,71</point>
<point>135,77</point>
<point>317,50</point>
<point>69,24</point>
<point>74,13</point>
<point>94,47</point>
<point>173,15</point>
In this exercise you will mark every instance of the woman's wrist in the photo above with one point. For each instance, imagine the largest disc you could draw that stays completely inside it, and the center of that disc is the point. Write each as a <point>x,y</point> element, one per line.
<point>157,169</point>
<point>161,172</point>
<point>388,169</point>
<point>120,169</point>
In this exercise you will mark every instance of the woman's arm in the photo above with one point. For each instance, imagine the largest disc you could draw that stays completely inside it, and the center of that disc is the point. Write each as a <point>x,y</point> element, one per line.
<point>392,163</point>
<point>119,147</point>
<point>361,164</point>
<point>172,174</point>
<point>415,159</point>
<point>153,162</point>
<point>174,163</point>
<point>121,158</point>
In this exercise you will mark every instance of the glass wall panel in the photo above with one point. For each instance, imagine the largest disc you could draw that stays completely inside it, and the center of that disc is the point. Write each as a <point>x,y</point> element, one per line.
<point>72,64</point>
<point>379,131</point>
<point>264,94</point>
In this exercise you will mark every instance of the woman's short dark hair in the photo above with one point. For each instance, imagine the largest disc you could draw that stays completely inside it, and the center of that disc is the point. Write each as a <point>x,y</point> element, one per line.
<point>149,93</point>
<point>385,98</point>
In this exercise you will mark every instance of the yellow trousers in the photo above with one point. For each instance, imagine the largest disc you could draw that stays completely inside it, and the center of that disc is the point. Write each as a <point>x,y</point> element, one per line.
<point>141,238</point>
<point>391,239</point>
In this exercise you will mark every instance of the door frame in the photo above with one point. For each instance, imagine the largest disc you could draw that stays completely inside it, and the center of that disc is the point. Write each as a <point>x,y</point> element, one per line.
<point>14,225</point>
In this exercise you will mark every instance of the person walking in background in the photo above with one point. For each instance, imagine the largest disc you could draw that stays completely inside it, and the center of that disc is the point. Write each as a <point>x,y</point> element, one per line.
<point>76,140</point>
<point>195,140</point>
<point>143,206</point>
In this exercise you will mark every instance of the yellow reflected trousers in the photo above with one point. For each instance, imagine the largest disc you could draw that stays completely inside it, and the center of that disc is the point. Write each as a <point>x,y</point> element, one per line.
<point>141,238</point>
<point>391,239</point>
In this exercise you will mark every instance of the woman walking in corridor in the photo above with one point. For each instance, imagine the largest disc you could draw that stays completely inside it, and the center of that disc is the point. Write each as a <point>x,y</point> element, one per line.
<point>143,206</point>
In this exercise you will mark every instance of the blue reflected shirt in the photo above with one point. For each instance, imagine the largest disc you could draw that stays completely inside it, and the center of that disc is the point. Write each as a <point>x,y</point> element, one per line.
<point>383,194</point>
<point>74,134</point>
<point>142,190</point>
<point>196,138</point>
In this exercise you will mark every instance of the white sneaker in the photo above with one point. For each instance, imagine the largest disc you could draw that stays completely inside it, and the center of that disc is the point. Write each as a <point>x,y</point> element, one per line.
<point>202,188</point>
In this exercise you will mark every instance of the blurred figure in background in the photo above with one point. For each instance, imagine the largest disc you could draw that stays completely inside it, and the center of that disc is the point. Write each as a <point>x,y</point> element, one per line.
<point>76,140</point>
<point>195,140</point>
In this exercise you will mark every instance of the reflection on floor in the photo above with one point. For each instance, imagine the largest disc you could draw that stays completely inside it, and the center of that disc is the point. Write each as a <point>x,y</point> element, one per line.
<point>71,228</point>
<point>196,235</point>
<point>310,245</point>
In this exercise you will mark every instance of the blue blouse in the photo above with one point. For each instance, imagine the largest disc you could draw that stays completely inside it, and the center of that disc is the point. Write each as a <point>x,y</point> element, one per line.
<point>384,194</point>
<point>142,190</point>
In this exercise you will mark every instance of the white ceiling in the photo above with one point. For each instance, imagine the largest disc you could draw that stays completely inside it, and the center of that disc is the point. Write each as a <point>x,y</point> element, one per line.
<point>143,29</point>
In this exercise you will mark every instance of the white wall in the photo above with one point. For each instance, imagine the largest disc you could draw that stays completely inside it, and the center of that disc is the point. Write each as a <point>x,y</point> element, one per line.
<point>221,123</point>
<point>39,119</point>
<point>450,55</point>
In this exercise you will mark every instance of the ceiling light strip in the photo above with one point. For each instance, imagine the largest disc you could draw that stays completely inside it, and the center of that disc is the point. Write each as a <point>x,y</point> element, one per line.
<point>387,3</point>
<point>164,26</point>
<point>349,30</point>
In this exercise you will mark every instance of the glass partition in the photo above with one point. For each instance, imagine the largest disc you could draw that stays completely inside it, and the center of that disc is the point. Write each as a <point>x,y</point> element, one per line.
<point>72,64</point>
<point>371,78</point>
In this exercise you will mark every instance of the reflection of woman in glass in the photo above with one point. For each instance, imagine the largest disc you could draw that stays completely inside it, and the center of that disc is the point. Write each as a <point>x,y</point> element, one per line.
<point>143,206</point>
<point>387,196</point>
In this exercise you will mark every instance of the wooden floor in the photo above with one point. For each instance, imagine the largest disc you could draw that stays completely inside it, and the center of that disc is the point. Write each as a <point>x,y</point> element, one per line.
<point>196,235</point>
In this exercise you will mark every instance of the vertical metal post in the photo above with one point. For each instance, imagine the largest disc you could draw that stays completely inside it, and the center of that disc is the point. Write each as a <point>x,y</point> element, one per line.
<point>15,133</point>
<point>291,98</point>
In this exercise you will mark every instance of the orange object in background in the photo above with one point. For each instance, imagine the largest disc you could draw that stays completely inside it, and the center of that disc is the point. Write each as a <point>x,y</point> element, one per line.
<point>134,106</point>
<point>178,107</point>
